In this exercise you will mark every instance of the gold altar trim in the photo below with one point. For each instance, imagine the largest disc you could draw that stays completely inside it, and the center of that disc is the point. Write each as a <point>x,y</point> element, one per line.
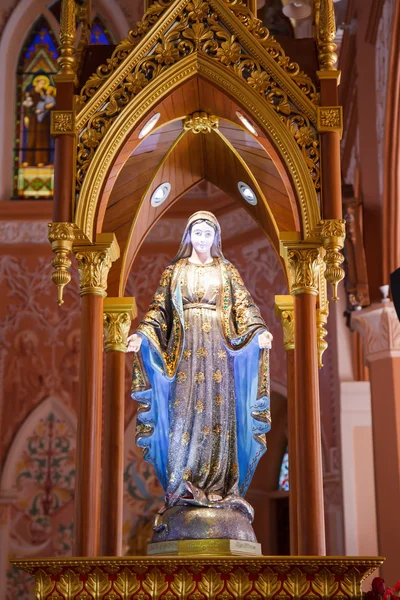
<point>209,547</point>
<point>295,577</point>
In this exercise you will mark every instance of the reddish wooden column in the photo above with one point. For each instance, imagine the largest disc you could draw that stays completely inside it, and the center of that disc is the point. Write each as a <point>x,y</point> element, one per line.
<point>304,263</point>
<point>118,313</point>
<point>94,262</point>
<point>308,421</point>
<point>285,311</point>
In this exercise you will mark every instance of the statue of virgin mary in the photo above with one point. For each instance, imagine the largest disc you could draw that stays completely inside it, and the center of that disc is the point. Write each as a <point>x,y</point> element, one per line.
<point>201,377</point>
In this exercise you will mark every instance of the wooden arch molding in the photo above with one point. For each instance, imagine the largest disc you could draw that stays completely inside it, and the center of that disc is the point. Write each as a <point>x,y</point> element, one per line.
<point>280,140</point>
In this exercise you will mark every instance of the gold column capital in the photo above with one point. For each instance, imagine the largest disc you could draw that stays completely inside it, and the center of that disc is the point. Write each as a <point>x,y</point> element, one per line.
<point>284,310</point>
<point>302,259</point>
<point>118,315</point>
<point>61,236</point>
<point>333,234</point>
<point>94,262</point>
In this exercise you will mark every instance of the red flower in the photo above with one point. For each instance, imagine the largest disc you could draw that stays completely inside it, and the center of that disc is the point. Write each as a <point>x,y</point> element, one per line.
<point>378,586</point>
<point>388,594</point>
<point>396,587</point>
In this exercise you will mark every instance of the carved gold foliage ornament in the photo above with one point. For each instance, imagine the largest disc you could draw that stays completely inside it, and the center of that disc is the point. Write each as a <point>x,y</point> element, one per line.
<point>198,28</point>
<point>188,578</point>
<point>327,56</point>
<point>304,267</point>
<point>198,10</point>
<point>61,237</point>
<point>200,122</point>
<point>333,234</point>
<point>62,122</point>
<point>284,310</point>
<point>93,266</point>
<point>322,344</point>
<point>330,118</point>
<point>116,330</point>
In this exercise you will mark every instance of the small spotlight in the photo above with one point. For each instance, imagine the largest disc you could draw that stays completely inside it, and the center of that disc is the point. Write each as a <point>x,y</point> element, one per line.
<point>160,194</point>
<point>149,125</point>
<point>247,193</point>
<point>246,123</point>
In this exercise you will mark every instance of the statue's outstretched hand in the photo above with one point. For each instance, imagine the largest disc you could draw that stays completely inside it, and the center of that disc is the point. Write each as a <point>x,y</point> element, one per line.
<point>265,339</point>
<point>134,343</point>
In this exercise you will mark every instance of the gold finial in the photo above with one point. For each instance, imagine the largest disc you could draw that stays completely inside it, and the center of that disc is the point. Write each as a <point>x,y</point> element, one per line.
<point>333,234</point>
<point>61,237</point>
<point>67,60</point>
<point>200,122</point>
<point>326,32</point>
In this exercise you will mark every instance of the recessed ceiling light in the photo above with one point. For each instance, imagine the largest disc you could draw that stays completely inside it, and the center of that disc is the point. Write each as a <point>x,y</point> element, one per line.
<point>247,193</point>
<point>246,123</point>
<point>160,194</point>
<point>147,127</point>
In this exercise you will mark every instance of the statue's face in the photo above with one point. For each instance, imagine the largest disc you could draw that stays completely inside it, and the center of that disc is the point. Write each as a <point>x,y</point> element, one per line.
<point>202,237</point>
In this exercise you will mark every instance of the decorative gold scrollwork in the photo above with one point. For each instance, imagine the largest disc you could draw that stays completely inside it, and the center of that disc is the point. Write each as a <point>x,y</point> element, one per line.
<point>322,344</point>
<point>333,234</point>
<point>198,28</point>
<point>200,122</point>
<point>61,237</point>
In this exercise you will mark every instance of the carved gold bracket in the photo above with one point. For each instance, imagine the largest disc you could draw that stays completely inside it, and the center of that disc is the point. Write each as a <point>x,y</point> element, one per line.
<point>118,315</point>
<point>200,122</point>
<point>284,310</point>
<point>333,235</point>
<point>61,236</point>
<point>94,263</point>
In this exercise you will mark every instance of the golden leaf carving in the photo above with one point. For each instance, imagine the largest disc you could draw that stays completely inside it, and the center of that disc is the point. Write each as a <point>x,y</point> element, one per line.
<point>211,584</point>
<point>155,583</point>
<point>267,583</point>
<point>351,584</point>
<point>126,583</point>
<point>44,585</point>
<point>98,583</point>
<point>69,584</point>
<point>183,584</point>
<point>296,585</point>
<point>239,583</point>
<point>324,583</point>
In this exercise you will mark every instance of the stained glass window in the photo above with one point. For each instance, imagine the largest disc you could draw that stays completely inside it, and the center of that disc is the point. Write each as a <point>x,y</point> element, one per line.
<point>36,97</point>
<point>100,34</point>
<point>284,473</point>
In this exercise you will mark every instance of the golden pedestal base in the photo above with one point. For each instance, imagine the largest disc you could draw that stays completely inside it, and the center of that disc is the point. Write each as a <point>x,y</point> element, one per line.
<point>200,578</point>
<point>211,547</point>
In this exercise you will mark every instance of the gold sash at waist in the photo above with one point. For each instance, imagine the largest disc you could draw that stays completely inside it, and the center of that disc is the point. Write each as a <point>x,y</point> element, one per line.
<point>199,305</point>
